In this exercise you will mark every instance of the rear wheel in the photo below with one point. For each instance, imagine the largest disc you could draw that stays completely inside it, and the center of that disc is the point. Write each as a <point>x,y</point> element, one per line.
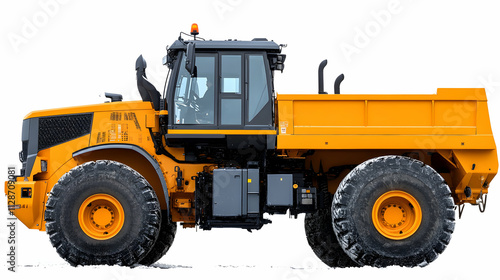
<point>102,212</point>
<point>393,210</point>
<point>322,239</point>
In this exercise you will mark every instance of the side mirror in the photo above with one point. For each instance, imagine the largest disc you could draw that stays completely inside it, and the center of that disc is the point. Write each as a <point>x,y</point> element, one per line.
<point>190,59</point>
<point>168,61</point>
<point>277,61</point>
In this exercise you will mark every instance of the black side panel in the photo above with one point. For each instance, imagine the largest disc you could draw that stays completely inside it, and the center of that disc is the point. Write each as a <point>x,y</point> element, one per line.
<point>59,129</point>
<point>258,142</point>
<point>30,145</point>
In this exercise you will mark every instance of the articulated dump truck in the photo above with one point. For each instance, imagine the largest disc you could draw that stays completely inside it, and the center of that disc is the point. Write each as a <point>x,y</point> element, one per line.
<point>379,177</point>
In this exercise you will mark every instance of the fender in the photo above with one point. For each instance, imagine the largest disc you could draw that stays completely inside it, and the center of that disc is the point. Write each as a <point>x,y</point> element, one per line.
<point>140,151</point>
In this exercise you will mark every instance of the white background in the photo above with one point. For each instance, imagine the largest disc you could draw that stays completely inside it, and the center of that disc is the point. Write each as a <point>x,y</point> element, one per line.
<point>56,54</point>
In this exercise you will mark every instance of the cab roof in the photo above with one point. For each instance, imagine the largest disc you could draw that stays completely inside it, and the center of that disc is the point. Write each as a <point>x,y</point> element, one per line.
<point>260,44</point>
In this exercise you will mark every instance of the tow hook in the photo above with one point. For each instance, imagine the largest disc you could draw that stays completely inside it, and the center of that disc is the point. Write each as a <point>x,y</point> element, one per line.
<point>481,201</point>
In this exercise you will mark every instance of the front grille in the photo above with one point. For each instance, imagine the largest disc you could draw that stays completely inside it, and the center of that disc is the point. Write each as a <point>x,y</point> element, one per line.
<point>59,129</point>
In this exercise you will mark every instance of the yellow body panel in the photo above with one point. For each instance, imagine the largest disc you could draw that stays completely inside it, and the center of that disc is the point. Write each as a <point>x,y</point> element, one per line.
<point>27,210</point>
<point>473,169</point>
<point>450,119</point>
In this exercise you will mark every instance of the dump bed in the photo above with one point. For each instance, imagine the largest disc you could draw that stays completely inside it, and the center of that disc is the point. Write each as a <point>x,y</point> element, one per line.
<point>454,123</point>
<point>450,119</point>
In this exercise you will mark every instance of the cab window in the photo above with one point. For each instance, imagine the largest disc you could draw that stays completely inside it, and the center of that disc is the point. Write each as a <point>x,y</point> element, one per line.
<point>231,74</point>
<point>194,97</point>
<point>259,111</point>
<point>231,90</point>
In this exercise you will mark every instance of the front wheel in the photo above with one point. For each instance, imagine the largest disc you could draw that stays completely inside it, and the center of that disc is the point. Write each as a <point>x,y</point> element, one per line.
<point>102,212</point>
<point>393,210</point>
<point>164,241</point>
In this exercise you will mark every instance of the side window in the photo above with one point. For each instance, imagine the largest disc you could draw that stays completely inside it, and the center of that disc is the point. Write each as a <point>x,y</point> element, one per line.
<point>231,90</point>
<point>205,102</point>
<point>231,74</point>
<point>182,87</point>
<point>258,91</point>
<point>194,98</point>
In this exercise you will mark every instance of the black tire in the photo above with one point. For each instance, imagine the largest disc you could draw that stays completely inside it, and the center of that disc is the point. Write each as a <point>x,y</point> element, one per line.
<point>322,239</point>
<point>141,211</point>
<point>357,194</point>
<point>164,241</point>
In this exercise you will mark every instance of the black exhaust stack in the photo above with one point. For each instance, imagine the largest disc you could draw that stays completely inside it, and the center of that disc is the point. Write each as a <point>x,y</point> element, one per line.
<point>321,89</point>
<point>337,83</point>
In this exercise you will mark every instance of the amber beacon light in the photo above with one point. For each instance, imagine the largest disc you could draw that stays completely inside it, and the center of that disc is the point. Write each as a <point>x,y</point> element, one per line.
<point>194,29</point>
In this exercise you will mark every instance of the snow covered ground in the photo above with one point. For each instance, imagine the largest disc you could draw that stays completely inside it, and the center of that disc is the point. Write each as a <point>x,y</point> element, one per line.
<point>278,251</point>
<point>62,53</point>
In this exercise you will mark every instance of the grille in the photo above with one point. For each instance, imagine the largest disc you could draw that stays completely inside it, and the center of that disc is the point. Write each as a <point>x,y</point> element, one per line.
<point>56,130</point>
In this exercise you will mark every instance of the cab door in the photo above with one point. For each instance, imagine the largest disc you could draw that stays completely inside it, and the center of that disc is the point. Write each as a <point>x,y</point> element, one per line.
<point>258,109</point>
<point>231,92</point>
<point>245,91</point>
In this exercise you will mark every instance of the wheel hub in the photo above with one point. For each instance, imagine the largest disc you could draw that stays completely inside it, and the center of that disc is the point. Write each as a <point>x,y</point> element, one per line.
<point>393,215</point>
<point>101,216</point>
<point>396,215</point>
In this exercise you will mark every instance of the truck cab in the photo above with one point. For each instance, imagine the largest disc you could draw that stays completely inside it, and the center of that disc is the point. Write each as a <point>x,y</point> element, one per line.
<point>226,99</point>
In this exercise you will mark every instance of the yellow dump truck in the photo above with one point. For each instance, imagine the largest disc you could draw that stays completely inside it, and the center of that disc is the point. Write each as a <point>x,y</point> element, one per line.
<point>378,176</point>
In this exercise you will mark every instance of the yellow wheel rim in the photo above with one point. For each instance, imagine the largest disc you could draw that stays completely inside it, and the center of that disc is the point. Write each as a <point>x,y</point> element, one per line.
<point>396,215</point>
<point>101,216</point>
